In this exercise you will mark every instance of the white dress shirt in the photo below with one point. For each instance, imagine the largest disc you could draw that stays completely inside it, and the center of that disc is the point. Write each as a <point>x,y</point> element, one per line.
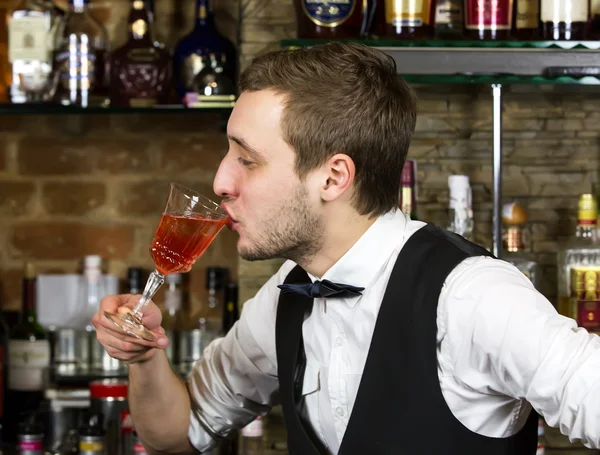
<point>501,347</point>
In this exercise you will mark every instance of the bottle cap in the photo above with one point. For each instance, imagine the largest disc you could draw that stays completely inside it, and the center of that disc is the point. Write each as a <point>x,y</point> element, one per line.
<point>458,182</point>
<point>513,214</point>
<point>587,209</point>
<point>92,261</point>
<point>407,177</point>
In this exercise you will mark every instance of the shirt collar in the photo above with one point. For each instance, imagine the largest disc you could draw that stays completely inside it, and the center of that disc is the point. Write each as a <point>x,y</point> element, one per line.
<point>362,264</point>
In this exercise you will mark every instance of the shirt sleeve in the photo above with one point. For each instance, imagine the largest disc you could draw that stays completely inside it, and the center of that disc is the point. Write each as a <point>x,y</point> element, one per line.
<point>236,380</point>
<point>504,337</point>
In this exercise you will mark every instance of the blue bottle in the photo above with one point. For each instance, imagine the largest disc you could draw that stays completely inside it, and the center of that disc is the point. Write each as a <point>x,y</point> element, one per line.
<point>192,51</point>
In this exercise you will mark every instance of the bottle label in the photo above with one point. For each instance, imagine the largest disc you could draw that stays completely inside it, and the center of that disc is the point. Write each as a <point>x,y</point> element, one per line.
<point>173,299</point>
<point>254,429</point>
<point>126,422</point>
<point>407,13</point>
<point>139,449</point>
<point>489,14</point>
<point>447,12</point>
<point>28,361</point>
<point>77,68</point>
<point>31,447</point>
<point>527,14</point>
<point>585,297</point>
<point>595,5</point>
<point>406,204</point>
<point>564,11</point>
<point>139,28</point>
<point>93,445</point>
<point>329,13</point>
<point>28,38</point>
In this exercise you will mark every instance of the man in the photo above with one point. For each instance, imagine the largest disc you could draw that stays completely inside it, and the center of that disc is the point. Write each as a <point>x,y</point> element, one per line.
<point>387,336</point>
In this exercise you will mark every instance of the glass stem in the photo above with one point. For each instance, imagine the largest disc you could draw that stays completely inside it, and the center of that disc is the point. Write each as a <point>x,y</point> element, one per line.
<point>155,280</point>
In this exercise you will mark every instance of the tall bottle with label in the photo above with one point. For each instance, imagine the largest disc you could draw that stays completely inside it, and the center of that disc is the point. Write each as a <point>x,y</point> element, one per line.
<point>252,437</point>
<point>140,70</point>
<point>231,311</point>
<point>28,354</point>
<point>30,27</point>
<point>408,189</point>
<point>461,212</point>
<point>406,19</point>
<point>564,19</point>
<point>338,19</point>
<point>81,58</point>
<point>526,23</point>
<point>192,50</point>
<point>172,314</point>
<point>449,19</point>
<point>578,265</point>
<point>489,19</point>
<point>514,217</point>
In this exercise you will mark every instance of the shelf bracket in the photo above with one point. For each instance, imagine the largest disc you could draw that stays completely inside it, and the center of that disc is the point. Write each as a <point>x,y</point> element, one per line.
<point>497,170</point>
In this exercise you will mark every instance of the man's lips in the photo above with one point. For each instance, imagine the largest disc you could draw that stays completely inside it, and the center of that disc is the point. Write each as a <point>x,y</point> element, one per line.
<point>232,221</point>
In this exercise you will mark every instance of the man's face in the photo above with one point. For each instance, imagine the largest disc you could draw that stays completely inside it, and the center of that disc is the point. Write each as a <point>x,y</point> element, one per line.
<point>274,213</point>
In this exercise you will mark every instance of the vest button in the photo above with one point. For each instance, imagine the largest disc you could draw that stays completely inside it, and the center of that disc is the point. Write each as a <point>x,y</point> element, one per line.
<point>340,411</point>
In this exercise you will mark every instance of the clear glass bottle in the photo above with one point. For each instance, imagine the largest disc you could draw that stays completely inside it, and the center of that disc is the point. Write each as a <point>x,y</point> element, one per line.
<point>30,27</point>
<point>252,437</point>
<point>514,217</point>
<point>172,313</point>
<point>460,206</point>
<point>578,265</point>
<point>81,58</point>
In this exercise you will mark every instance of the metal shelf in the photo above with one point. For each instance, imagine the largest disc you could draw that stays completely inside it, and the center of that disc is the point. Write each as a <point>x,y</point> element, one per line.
<point>488,62</point>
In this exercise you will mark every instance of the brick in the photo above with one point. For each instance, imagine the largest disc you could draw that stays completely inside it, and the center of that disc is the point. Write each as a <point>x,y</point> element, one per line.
<point>72,198</point>
<point>567,124</point>
<point>47,240</point>
<point>189,154</point>
<point>15,197</point>
<point>60,156</point>
<point>149,197</point>
<point>10,289</point>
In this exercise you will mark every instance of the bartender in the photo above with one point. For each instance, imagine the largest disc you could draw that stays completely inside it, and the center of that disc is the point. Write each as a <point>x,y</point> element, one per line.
<point>379,334</point>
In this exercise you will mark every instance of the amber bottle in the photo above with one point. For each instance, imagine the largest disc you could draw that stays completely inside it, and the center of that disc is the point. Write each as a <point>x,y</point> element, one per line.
<point>565,20</point>
<point>488,19</point>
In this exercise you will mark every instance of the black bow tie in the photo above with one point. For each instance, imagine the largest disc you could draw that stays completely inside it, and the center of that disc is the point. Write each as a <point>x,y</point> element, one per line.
<point>323,288</point>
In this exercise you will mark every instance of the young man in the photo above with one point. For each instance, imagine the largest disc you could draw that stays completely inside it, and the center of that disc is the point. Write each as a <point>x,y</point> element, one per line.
<point>387,335</point>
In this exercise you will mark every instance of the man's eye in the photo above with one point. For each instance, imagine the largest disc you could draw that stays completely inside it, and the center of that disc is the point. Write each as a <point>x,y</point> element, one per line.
<point>245,162</point>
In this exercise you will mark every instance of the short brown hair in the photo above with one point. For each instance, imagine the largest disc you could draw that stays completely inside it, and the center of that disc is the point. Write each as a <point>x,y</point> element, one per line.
<point>343,98</point>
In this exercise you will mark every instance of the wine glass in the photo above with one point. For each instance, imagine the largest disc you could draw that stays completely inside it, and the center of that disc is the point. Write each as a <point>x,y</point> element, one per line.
<point>188,225</point>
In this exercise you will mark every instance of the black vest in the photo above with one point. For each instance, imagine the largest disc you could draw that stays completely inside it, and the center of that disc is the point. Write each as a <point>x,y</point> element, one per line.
<point>399,409</point>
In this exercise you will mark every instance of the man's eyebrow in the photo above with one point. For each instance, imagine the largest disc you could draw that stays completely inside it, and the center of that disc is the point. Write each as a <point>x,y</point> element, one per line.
<point>242,143</point>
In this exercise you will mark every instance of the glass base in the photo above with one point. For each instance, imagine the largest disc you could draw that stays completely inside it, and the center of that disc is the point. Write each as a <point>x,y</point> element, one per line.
<point>131,323</point>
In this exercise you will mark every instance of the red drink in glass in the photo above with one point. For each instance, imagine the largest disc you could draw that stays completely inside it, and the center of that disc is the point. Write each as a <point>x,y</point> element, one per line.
<point>181,239</point>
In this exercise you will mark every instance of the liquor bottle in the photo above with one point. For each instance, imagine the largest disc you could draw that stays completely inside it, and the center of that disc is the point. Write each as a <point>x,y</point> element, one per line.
<point>408,19</point>
<point>191,50</point>
<point>578,257</point>
<point>172,314</point>
<point>252,437</point>
<point>81,58</point>
<point>28,355</point>
<point>30,437</point>
<point>215,285</point>
<point>135,280</point>
<point>514,217</point>
<point>489,19</point>
<point>408,190</point>
<point>230,308</point>
<point>140,70</point>
<point>30,27</point>
<point>461,212</point>
<point>564,19</point>
<point>449,19</point>
<point>339,19</point>
<point>92,435</point>
<point>526,23</point>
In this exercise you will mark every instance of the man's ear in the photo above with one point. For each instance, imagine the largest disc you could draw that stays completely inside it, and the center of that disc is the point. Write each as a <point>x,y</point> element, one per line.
<point>338,175</point>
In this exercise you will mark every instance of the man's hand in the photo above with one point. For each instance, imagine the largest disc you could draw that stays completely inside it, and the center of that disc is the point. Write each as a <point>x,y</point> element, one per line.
<point>120,345</point>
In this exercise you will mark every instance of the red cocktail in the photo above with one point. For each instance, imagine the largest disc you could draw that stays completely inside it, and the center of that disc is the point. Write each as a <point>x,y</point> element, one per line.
<point>181,239</point>
<point>188,225</point>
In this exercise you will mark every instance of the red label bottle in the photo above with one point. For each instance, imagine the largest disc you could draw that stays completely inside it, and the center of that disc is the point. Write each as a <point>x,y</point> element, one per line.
<point>488,19</point>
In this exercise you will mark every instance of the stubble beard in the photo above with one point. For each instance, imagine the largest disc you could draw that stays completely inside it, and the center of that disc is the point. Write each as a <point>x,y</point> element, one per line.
<point>293,232</point>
